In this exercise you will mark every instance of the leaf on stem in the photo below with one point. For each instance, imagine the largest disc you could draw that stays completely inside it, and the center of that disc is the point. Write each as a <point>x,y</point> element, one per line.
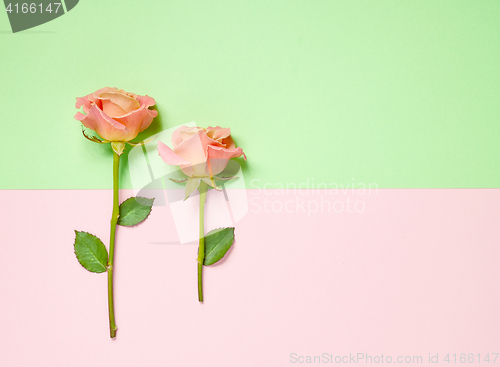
<point>134,210</point>
<point>217,242</point>
<point>91,252</point>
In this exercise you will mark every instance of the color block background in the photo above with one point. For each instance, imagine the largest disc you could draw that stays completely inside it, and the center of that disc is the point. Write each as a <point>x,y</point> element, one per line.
<point>399,92</point>
<point>400,95</point>
<point>415,273</point>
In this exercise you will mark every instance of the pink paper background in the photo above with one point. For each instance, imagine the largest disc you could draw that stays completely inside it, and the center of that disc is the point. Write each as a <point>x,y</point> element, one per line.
<point>416,272</point>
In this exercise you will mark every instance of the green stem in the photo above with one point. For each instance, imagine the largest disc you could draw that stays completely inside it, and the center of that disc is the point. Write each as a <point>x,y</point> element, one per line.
<point>203,188</point>
<point>114,220</point>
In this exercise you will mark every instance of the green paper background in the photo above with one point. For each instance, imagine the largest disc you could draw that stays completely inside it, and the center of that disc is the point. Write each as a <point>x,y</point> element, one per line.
<point>402,93</point>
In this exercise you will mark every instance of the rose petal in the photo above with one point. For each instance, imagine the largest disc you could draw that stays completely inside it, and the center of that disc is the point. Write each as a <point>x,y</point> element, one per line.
<point>136,121</point>
<point>176,136</point>
<point>194,151</point>
<point>218,132</point>
<point>111,109</point>
<point>91,124</point>
<point>183,133</point>
<point>124,103</point>
<point>114,123</point>
<point>146,101</point>
<point>229,143</point>
<point>94,96</point>
<point>188,170</point>
<point>83,101</point>
<point>105,126</point>
<point>168,155</point>
<point>146,123</point>
<point>219,157</point>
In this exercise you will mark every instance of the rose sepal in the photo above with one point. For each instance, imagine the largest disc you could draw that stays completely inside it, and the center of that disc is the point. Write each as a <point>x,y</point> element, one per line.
<point>192,184</point>
<point>93,138</point>
<point>179,181</point>
<point>143,142</point>
<point>211,182</point>
<point>118,147</point>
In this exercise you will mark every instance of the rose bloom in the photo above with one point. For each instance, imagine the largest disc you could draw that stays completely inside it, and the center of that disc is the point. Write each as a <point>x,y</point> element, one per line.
<point>200,152</point>
<point>114,114</point>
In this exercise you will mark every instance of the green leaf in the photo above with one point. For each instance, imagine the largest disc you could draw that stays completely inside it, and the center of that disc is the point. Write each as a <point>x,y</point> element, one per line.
<point>217,242</point>
<point>134,210</point>
<point>91,252</point>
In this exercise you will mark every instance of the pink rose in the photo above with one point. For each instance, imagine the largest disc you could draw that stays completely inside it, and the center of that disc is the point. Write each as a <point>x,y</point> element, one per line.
<point>200,152</point>
<point>117,116</point>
